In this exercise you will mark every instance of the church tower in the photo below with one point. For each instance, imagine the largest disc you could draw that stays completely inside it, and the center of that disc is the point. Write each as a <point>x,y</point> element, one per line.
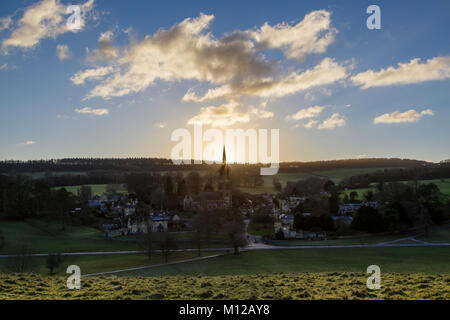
<point>224,181</point>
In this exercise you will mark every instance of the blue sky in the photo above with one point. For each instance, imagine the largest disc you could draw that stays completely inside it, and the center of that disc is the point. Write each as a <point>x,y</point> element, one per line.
<point>46,114</point>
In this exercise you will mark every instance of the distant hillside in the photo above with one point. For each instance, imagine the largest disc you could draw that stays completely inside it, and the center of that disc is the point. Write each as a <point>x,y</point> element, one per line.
<point>157,164</point>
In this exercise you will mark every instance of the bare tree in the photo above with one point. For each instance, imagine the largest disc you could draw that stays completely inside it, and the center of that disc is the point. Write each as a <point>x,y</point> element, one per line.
<point>145,239</point>
<point>167,246</point>
<point>22,261</point>
<point>203,226</point>
<point>234,227</point>
<point>53,262</point>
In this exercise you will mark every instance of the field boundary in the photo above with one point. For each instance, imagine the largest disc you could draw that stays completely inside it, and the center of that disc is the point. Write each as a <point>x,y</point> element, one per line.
<point>155,265</point>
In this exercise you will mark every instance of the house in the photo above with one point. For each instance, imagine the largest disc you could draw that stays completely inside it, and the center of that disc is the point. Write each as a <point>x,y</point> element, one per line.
<point>156,223</point>
<point>346,220</point>
<point>285,223</point>
<point>350,208</point>
<point>187,202</point>
<point>129,209</point>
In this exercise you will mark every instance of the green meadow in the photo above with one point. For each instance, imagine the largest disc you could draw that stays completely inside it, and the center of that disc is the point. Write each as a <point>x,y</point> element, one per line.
<point>433,260</point>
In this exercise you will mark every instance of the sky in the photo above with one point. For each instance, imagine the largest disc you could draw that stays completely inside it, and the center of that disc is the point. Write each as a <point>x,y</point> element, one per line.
<point>132,72</point>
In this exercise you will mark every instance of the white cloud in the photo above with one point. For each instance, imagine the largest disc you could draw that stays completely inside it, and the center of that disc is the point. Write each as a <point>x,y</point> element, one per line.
<point>311,35</point>
<point>97,112</point>
<point>5,23</point>
<point>45,19</point>
<point>4,67</point>
<point>437,68</point>
<point>310,124</point>
<point>106,49</point>
<point>336,120</point>
<point>234,63</point>
<point>26,143</point>
<point>91,74</point>
<point>398,117</point>
<point>361,156</point>
<point>327,72</point>
<point>310,112</point>
<point>62,52</point>
<point>261,113</point>
<point>221,116</point>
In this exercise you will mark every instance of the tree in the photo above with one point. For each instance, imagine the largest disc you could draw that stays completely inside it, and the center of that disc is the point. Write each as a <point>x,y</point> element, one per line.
<point>84,195</point>
<point>346,199</point>
<point>64,203</point>
<point>2,240</point>
<point>353,196</point>
<point>368,196</point>
<point>333,203</point>
<point>111,189</point>
<point>194,182</point>
<point>234,228</point>
<point>279,235</point>
<point>22,261</point>
<point>145,239</point>
<point>202,225</point>
<point>182,188</point>
<point>326,222</point>
<point>299,221</point>
<point>167,246</point>
<point>369,219</point>
<point>53,261</point>
<point>277,185</point>
<point>169,185</point>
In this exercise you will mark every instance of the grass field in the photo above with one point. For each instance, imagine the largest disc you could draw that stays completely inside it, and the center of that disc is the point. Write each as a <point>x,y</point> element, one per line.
<point>336,175</point>
<point>96,188</point>
<point>400,260</point>
<point>436,235</point>
<point>44,237</point>
<point>284,286</point>
<point>47,237</point>
<point>442,184</point>
<point>102,263</point>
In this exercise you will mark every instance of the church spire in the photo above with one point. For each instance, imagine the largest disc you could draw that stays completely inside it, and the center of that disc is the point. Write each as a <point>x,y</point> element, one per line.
<point>224,156</point>
<point>224,169</point>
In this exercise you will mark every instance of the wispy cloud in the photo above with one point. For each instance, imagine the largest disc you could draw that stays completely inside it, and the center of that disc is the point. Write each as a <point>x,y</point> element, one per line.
<point>221,116</point>
<point>45,19</point>
<point>336,120</point>
<point>402,117</point>
<point>62,52</point>
<point>91,74</point>
<point>310,124</point>
<point>5,23</point>
<point>437,68</point>
<point>106,49</point>
<point>88,110</point>
<point>310,112</point>
<point>27,143</point>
